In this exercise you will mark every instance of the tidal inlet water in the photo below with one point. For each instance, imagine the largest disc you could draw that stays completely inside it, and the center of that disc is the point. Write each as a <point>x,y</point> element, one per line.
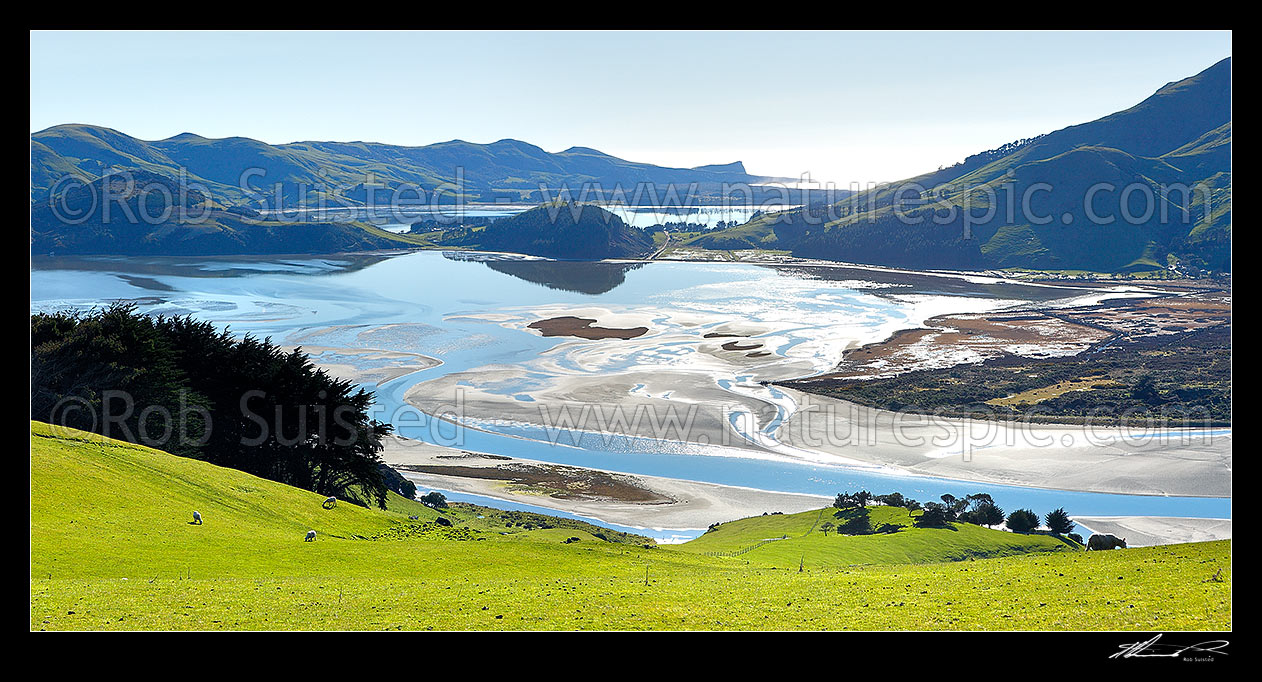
<point>444,341</point>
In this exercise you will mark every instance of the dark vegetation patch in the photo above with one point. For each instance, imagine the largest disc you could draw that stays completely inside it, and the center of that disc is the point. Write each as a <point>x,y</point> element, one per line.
<point>1172,378</point>
<point>428,529</point>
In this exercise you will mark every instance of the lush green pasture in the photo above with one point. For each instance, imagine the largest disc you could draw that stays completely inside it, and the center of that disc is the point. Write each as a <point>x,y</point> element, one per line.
<point>804,543</point>
<point>112,548</point>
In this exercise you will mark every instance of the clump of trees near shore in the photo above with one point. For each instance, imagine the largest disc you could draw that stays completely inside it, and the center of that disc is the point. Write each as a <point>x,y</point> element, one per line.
<point>979,509</point>
<point>180,385</point>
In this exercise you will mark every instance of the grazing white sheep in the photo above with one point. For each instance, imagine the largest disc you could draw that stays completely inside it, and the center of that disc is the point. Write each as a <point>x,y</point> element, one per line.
<point>197,518</point>
<point>330,502</point>
<point>310,536</point>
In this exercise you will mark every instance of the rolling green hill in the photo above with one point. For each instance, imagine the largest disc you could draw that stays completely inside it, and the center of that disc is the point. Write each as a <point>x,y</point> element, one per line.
<point>112,548</point>
<point>1031,202</point>
<point>787,539</point>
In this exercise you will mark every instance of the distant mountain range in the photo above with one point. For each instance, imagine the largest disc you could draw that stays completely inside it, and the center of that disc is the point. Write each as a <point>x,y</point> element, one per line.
<point>1144,189</point>
<point>246,172</point>
<point>1041,203</point>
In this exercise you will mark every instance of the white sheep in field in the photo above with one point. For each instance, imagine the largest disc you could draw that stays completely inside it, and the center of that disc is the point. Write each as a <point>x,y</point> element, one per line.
<point>310,536</point>
<point>197,518</point>
<point>330,502</point>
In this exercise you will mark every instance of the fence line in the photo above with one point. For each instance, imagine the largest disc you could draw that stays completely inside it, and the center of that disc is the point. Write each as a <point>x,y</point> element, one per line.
<point>756,545</point>
<point>743,550</point>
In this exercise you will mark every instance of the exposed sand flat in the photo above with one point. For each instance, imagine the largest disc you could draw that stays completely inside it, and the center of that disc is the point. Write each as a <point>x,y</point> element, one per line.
<point>1085,458</point>
<point>1143,531</point>
<point>826,430</point>
<point>636,386</point>
<point>362,366</point>
<point>677,382</point>
<point>674,340</point>
<point>692,505</point>
<point>668,405</point>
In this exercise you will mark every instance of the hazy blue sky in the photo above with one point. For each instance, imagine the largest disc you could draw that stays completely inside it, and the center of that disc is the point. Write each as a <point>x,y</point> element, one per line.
<point>843,106</point>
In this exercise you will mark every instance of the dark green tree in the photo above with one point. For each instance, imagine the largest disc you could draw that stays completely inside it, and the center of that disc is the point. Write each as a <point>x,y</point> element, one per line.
<point>196,391</point>
<point>1058,520</point>
<point>956,505</point>
<point>987,514</point>
<point>100,371</point>
<point>434,499</point>
<point>978,499</point>
<point>1022,521</point>
<point>934,516</point>
<point>894,499</point>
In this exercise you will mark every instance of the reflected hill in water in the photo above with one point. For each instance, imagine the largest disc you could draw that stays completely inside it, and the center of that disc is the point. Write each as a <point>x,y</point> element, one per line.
<point>598,277</point>
<point>584,277</point>
<point>140,270</point>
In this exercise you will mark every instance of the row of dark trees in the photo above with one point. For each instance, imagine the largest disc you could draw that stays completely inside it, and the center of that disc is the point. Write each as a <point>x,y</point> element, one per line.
<point>180,385</point>
<point>978,508</point>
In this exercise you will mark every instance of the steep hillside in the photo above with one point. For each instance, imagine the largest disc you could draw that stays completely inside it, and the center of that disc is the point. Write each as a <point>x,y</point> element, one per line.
<point>142,213</point>
<point>1133,191</point>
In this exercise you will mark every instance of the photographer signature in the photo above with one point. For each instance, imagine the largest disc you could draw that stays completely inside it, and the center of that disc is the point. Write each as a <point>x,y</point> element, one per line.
<point>1152,649</point>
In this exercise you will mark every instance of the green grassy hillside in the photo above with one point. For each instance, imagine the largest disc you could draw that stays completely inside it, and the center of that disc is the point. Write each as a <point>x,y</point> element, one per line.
<point>790,539</point>
<point>112,548</point>
<point>1032,203</point>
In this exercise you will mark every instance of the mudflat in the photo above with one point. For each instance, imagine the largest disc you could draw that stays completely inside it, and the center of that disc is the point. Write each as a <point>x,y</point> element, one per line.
<point>583,328</point>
